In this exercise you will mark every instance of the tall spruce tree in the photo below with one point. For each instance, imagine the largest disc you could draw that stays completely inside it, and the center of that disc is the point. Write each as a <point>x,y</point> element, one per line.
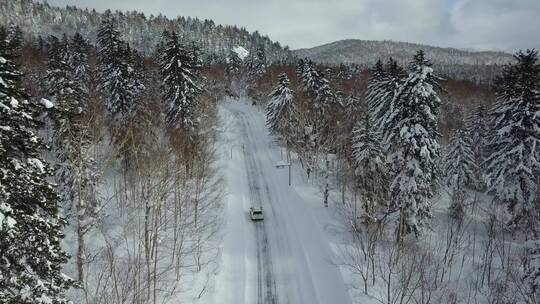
<point>31,257</point>
<point>109,42</point>
<point>477,124</point>
<point>56,66</point>
<point>513,164</point>
<point>460,165</point>
<point>351,105</point>
<point>316,85</point>
<point>370,167</point>
<point>322,96</point>
<point>460,170</point>
<point>411,138</point>
<point>78,60</point>
<point>382,87</point>
<point>281,112</point>
<point>256,63</point>
<point>374,85</point>
<point>181,84</point>
<point>234,64</point>
<point>196,54</point>
<point>118,73</point>
<point>321,112</point>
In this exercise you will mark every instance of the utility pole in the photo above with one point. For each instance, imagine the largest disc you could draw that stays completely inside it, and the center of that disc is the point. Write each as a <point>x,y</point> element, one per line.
<point>282,164</point>
<point>236,146</point>
<point>289,174</point>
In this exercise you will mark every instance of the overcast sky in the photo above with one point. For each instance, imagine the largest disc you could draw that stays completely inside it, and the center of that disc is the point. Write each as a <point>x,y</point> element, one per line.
<point>476,24</point>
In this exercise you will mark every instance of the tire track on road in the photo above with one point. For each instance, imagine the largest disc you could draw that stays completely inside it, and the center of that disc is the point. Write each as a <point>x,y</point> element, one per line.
<point>267,292</point>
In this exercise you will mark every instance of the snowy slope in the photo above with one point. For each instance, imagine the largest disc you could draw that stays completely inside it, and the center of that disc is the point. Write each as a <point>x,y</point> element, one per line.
<point>241,52</point>
<point>287,258</point>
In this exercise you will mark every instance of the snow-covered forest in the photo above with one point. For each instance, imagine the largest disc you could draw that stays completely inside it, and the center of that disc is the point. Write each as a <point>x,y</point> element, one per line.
<point>436,212</point>
<point>38,19</point>
<point>132,148</point>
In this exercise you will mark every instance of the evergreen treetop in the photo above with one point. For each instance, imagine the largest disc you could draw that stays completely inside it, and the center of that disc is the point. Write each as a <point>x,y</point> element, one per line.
<point>180,83</point>
<point>513,164</point>
<point>411,139</point>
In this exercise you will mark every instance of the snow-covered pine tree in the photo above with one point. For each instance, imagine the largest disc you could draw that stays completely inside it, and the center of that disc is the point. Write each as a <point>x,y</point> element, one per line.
<point>67,79</point>
<point>477,125</point>
<point>194,50</point>
<point>262,61</point>
<point>60,82</point>
<point>109,43</point>
<point>118,77</point>
<point>460,165</point>
<point>513,164</point>
<point>375,92</point>
<point>460,170</point>
<point>382,87</point>
<point>352,108</point>
<point>160,46</point>
<point>234,64</point>
<point>411,138</point>
<point>318,87</point>
<point>181,84</point>
<point>326,97</point>
<point>352,105</point>
<point>137,74</point>
<point>31,257</point>
<point>56,65</point>
<point>78,60</point>
<point>280,112</point>
<point>325,103</point>
<point>311,78</point>
<point>300,66</point>
<point>256,63</point>
<point>370,166</point>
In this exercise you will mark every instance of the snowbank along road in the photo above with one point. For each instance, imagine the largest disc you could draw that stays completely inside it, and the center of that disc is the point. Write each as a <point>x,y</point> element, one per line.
<point>285,258</point>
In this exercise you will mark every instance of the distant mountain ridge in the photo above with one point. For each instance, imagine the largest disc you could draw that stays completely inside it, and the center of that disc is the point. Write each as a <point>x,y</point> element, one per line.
<point>459,64</point>
<point>368,51</point>
<point>142,32</point>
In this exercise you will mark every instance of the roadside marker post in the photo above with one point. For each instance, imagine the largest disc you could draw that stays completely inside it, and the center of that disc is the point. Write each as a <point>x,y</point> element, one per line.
<point>282,164</point>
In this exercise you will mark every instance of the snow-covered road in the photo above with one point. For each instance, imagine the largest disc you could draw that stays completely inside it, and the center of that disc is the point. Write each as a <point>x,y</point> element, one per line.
<point>286,258</point>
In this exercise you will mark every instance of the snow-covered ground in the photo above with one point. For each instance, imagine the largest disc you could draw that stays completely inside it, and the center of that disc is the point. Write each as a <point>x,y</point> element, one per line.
<point>241,52</point>
<point>288,257</point>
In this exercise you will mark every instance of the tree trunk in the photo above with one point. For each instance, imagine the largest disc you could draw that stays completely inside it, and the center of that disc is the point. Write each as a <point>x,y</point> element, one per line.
<point>326,177</point>
<point>401,227</point>
<point>81,256</point>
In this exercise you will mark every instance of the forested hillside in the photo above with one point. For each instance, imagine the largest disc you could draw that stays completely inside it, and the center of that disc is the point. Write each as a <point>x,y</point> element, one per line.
<point>140,31</point>
<point>452,63</point>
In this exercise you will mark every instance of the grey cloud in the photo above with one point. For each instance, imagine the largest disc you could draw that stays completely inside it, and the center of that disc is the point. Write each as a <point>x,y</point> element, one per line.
<point>497,24</point>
